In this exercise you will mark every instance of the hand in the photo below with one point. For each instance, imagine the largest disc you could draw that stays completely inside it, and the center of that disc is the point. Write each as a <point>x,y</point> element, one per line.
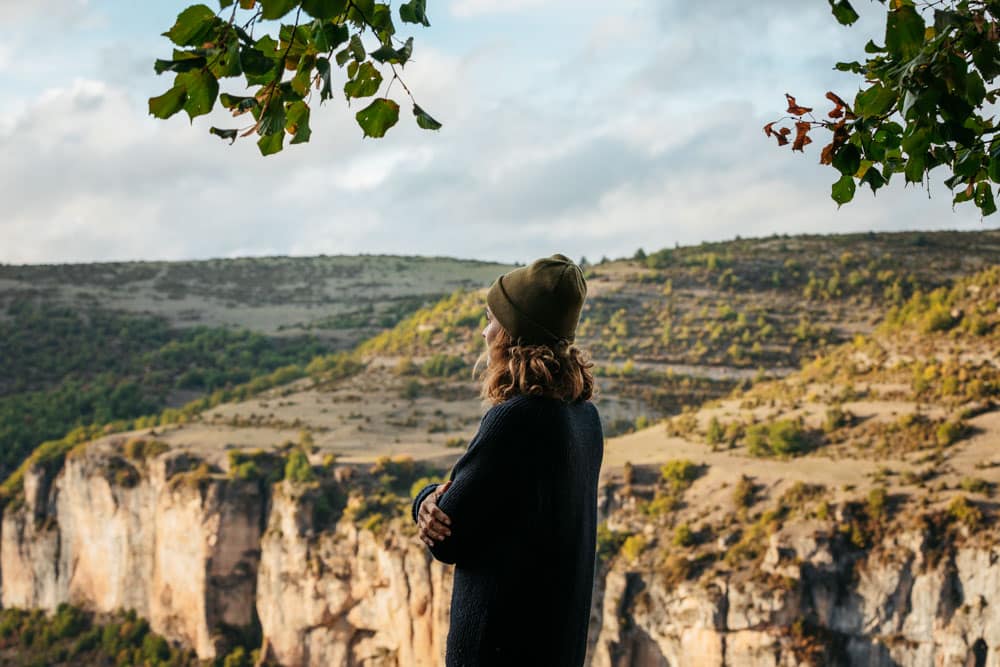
<point>433,523</point>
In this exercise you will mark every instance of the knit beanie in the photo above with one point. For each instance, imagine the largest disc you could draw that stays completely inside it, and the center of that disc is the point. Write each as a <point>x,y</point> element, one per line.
<point>539,303</point>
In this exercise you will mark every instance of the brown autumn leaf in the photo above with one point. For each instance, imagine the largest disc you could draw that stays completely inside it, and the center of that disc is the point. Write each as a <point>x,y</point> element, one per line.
<point>841,109</point>
<point>781,134</point>
<point>801,136</point>
<point>794,108</point>
<point>840,137</point>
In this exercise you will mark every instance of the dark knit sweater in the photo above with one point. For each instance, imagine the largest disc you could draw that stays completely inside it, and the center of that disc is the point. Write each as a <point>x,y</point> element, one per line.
<point>523,509</point>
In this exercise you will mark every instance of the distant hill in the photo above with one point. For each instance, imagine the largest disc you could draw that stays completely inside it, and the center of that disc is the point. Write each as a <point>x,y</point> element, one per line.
<point>97,344</point>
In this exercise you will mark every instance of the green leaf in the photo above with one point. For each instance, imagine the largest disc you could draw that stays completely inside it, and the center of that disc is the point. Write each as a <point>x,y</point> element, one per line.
<point>255,62</point>
<point>843,12</point>
<point>843,190</point>
<point>872,47</point>
<point>303,75</point>
<point>224,134</point>
<point>228,64</point>
<point>994,169</point>
<point>852,66</point>
<point>271,143</point>
<point>336,34</point>
<point>875,101</point>
<point>357,48</point>
<point>183,65</point>
<point>387,54</point>
<point>324,9</point>
<point>917,141</point>
<point>169,103</point>
<point>226,3</point>
<point>414,11</point>
<point>873,177</point>
<point>381,22</point>
<point>343,56</point>
<point>847,160</point>
<point>984,199</point>
<point>297,122</point>
<point>378,117</point>
<point>365,82</point>
<point>323,67</point>
<point>915,168</point>
<point>904,32</point>
<point>360,12</point>
<point>235,102</point>
<point>425,121</point>
<point>202,89</point>
<point>275,9</point>
<point>192,26</point>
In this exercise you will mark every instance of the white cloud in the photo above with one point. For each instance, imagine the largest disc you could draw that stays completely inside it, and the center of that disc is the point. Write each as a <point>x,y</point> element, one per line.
<point>612,141</point>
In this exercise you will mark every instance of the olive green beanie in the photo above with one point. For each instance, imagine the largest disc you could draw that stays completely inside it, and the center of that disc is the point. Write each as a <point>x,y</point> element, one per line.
<point>539,303</point>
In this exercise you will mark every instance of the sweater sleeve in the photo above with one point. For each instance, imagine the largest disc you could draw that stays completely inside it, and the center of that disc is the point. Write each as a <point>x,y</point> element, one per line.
<point>478,480</point>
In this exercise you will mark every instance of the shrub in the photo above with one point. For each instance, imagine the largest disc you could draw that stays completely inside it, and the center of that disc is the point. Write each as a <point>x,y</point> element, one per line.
<point>715,433</point>
<point>756,439</point>
<point>140,449</point>
<point>976,485</point>
<point>783,438</point>
<point>679,473</point>
<point>786,437</point>
<point>965,512</point>
<point>744,493</point>
<point>609,542</point>
<point>877,501</point>
<point>683,537</point>
<point>949,432</point>
<point>412,389</point>
<point>297,468</point>
<point>633,546</point>
<point>836,418</point>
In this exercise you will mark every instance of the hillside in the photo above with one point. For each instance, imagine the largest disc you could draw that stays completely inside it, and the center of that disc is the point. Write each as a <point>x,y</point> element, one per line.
<point>842,514</point>
<point>94,345</point>
<point>827,509</point>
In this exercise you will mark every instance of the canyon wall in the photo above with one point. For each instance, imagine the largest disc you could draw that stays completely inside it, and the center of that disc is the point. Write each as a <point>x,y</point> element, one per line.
<point>198,553</point>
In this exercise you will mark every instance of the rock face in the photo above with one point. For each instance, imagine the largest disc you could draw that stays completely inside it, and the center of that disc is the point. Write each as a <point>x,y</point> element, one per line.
<point>106,535</point>
<point>348,596</point>
<point>195,553</point>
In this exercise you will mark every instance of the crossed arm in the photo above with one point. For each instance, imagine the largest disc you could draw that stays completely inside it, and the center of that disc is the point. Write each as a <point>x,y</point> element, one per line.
<point>457,519</point>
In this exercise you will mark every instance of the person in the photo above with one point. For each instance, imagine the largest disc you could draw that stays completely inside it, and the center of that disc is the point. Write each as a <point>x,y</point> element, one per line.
<point>518,514</point>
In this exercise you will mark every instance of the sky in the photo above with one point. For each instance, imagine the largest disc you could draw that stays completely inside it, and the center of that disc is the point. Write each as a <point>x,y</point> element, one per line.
<point>574,126</point>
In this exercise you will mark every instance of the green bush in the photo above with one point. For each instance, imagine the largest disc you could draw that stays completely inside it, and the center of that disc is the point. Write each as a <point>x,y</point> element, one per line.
<point>297,468</point>
<point>782,438</point>
<point>683,537</point>
<point>744,493</point>
<point>633,546</point>
<point>609,542</point>
<point>679,473</point>
<point>976,485</point>
<point>877,502</point>
<point>715,433</point>
<point>949,432</point>
<point>965,512</point>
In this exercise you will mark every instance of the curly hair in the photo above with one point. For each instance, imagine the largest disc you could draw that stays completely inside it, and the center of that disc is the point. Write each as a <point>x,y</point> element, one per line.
<point>561,371</point>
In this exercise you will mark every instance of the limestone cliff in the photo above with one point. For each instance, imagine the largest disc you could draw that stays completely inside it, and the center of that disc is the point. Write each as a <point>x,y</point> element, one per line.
<point>195,553</point>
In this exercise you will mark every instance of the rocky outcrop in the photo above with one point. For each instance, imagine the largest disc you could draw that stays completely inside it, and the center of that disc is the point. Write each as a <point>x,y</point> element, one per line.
<point>348,596</point>
<point>109,534</point>
<point>195,553</point>
<point>902,604</point>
